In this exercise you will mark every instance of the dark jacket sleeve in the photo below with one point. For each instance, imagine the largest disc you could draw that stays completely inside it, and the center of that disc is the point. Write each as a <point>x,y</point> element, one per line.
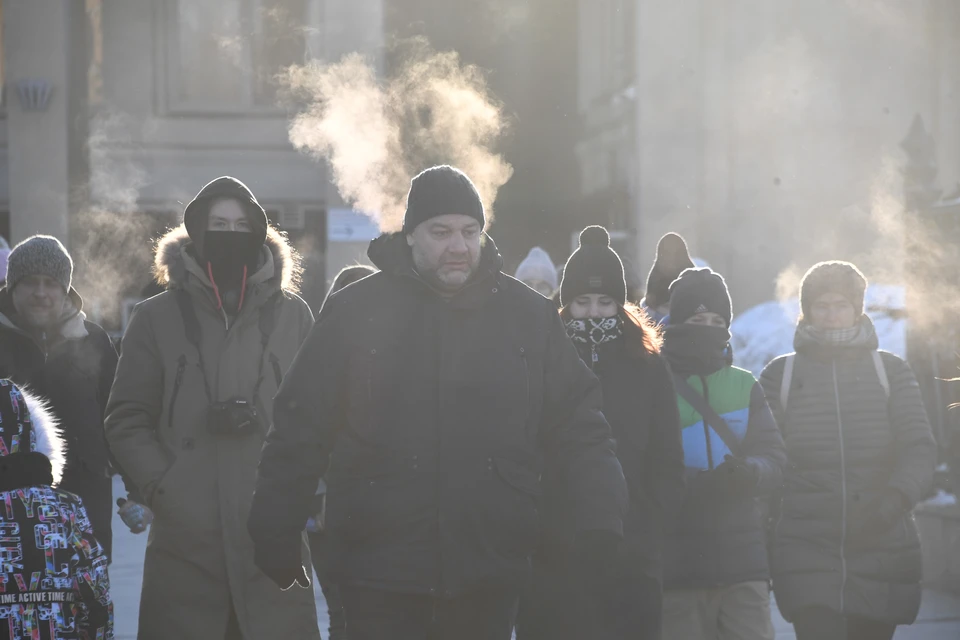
<point>576,437</point>
<point>134,408</point>
<point>665,470</point>
<point>763,444</point>
<point>916,450</point>
<point>89,565</point>
<point>770,381</point>
<point>307,416</point>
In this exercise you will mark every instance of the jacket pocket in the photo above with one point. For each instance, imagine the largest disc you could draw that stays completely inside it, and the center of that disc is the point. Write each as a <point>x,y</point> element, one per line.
<point>512,519</point>
<point>177,383</point>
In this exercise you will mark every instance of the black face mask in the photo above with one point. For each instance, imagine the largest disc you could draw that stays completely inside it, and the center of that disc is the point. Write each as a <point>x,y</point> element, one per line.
<point>693,349</point>
<point>228,253</point>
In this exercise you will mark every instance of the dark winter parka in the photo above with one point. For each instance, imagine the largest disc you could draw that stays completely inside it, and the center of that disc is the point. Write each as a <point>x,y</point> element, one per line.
<point>439,414</point>
<point>846,444</point>
<point>719,538</point>
<point>73,370</point>
<point>639,403</point>
<point>199,559</point>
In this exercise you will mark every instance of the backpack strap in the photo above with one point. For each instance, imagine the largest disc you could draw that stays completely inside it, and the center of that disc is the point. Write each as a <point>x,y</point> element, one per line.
<point>881,372</point>
<point>710,416</point>
<point>786,381</point>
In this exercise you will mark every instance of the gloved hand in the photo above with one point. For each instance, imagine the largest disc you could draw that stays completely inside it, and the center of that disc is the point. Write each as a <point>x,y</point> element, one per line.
<point>880,514</point>
<point>281,563</point>
<point>135,515</point>
<point>736,477</point>
<point>595,555</point>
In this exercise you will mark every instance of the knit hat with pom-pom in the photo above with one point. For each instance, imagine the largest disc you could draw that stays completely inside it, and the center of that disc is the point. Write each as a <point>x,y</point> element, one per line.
<point>593,268</point>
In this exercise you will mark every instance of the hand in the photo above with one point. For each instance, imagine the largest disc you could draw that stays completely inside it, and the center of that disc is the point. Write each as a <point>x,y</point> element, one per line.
<point>135,515</point>
<point>737,476</point>
<point>284,568</point>
<point>880,514</point>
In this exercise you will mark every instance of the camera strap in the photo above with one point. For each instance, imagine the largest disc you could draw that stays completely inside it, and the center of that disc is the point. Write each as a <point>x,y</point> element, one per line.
<point>191,324</point>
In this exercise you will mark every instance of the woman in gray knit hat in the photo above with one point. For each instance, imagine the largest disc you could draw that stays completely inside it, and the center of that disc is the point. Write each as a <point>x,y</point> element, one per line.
<point>846,553</point>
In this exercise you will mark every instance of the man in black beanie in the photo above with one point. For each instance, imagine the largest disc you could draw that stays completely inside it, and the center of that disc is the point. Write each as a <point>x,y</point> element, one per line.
<point>441,387</point>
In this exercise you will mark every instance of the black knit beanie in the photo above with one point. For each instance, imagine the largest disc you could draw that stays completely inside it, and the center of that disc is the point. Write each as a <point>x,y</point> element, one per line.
<point>672,259</point>
<point>699,291</point>
<point>593,268</point>
<point>440,191</point>
<point>835,276</point>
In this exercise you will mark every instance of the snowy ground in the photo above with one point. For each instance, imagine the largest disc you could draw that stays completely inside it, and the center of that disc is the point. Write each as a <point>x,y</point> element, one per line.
<point>939,616</point>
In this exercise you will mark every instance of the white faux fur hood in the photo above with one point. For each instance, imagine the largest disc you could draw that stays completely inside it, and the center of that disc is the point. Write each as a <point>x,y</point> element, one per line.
<point>169,267</point>
<point>46,428</point>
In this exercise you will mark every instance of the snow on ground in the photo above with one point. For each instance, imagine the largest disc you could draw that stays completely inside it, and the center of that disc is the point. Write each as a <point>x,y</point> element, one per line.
<point>766,331</point>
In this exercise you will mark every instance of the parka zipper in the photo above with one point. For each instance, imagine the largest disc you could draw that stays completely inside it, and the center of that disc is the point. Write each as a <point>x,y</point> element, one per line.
<point>181,365</point>
<point>843,492</point>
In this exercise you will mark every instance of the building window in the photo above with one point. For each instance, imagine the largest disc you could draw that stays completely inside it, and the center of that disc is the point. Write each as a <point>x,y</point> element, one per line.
<point>223,55</point>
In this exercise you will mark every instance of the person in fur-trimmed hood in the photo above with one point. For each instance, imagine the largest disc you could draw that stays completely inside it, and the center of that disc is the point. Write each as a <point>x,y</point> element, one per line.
<point>53,569</point>
<point>188,413</point>
<point>47,343</point>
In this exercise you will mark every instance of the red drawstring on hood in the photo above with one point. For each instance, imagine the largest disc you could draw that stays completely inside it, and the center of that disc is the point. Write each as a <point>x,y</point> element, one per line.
<point>216,289</point>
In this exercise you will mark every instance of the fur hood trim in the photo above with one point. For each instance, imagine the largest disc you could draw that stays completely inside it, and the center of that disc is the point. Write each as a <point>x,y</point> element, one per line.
<point>46,429</point>
<point>169,267</point>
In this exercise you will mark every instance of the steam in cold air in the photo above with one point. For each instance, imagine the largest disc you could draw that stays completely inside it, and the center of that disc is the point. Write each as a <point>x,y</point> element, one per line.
<point>377,135</point>
<point>109,243</point>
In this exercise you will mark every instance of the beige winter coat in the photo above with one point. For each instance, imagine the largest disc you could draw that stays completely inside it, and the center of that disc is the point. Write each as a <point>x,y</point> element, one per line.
<point>199,559</point>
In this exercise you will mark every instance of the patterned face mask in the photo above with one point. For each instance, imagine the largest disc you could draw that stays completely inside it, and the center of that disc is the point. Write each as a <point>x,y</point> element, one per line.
<point>594,332</point>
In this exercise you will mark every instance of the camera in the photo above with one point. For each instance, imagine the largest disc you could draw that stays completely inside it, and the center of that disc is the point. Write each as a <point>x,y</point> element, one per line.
<point>235,417</point>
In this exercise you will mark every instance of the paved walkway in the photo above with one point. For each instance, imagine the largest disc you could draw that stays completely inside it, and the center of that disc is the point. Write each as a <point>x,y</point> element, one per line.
<point>939,616</point>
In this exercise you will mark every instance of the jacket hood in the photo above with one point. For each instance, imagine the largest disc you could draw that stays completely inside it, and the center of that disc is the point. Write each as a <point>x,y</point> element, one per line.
<point>391,253</point>
<point>72,322</point>
<point>223,187</point>
<point>170,268</point>
<point>47,437</point>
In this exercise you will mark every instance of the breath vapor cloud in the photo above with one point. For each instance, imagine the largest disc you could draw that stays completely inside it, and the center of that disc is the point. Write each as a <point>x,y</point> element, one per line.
<point>377,134</point>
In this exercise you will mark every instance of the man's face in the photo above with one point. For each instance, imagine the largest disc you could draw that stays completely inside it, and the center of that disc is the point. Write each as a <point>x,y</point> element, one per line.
<point>446,251</point>
<point>227,214</point>
<point>39,301</point>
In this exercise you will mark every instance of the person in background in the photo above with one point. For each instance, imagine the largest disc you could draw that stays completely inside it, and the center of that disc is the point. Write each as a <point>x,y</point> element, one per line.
<point>672,259</point>
<point>846,552</point>
<point>53,570</point>
<point>716,573</point>
<point>316,522</point>
<point>538,272</point>
<point>429,396</point>
<point>200,364</point>
<point>48,346</point>
<point>621,345</point>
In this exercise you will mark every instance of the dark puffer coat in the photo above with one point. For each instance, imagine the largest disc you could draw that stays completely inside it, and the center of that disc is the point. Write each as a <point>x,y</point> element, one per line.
<point>74,371</point>
<point>640,404</point>
<point>439,414</point>
<point>846,444</point>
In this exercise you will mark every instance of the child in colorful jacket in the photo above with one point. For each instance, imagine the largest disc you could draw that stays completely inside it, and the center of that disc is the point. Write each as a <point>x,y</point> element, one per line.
<point>53,572</point>
<point>716,573</point>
